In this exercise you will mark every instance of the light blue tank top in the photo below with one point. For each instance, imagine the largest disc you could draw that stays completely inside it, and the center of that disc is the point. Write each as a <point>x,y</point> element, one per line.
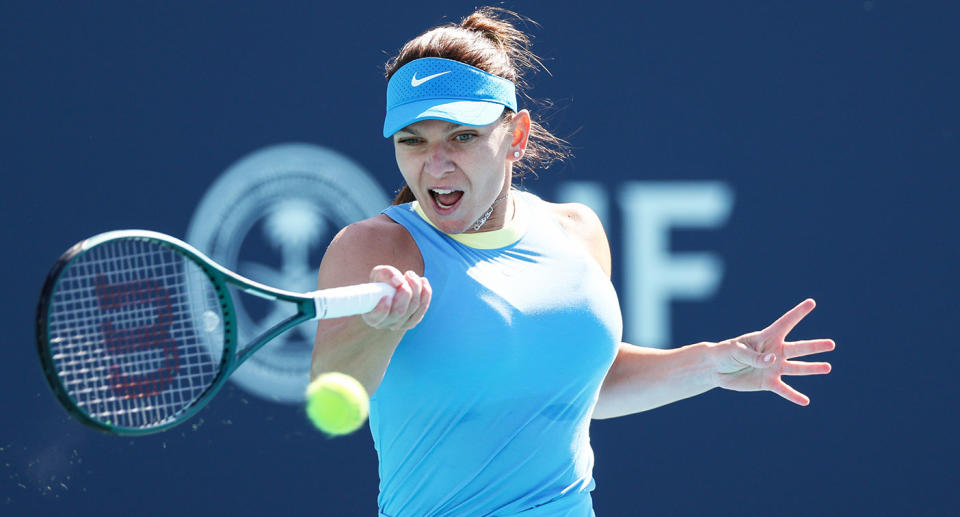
<point>485,407</point>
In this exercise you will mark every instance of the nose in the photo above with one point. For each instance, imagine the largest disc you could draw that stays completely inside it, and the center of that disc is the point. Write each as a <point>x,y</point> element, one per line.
<point>438,162</point>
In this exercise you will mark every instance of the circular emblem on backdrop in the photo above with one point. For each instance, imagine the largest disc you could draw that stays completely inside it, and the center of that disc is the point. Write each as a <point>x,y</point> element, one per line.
<point>270,217</point>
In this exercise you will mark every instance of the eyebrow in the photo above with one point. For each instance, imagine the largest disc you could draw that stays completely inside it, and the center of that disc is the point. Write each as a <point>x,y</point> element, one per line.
<point>409,129</point>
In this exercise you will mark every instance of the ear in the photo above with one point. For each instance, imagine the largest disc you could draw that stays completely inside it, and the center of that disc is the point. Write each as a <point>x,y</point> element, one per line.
<point>521,133</point>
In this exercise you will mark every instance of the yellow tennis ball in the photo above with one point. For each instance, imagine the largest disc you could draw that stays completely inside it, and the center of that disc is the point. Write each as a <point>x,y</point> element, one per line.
<point>337,404</point>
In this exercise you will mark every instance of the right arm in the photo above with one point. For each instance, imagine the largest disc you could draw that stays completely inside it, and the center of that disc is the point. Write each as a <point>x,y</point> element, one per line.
<point>373,250</point>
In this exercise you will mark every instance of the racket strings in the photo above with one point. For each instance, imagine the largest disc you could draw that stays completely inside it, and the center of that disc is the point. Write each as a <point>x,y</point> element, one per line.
<point>136,332</point>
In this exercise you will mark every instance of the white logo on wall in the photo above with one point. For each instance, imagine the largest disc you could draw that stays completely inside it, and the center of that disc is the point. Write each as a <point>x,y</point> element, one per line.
<point>270,217</point>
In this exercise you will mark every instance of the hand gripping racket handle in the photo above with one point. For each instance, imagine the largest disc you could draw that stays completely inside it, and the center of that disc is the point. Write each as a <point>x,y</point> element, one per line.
<point>350,300</point>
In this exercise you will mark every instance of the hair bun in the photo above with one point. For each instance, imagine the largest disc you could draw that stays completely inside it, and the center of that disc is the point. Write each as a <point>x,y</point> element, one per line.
<point>492,24</point>
<point>485,21</point>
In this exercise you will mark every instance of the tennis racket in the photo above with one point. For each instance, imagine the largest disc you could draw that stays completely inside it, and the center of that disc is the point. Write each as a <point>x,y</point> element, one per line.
<point>136,330</point>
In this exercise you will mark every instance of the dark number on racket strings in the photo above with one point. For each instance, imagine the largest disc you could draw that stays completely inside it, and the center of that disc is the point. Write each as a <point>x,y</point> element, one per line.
<point>136,330</point>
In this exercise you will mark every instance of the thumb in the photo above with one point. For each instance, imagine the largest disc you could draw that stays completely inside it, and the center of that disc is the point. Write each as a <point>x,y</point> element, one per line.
<point>746,355</point>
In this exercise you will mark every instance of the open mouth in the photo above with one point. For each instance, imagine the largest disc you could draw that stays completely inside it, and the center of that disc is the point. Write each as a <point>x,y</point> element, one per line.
<point>446,199</point>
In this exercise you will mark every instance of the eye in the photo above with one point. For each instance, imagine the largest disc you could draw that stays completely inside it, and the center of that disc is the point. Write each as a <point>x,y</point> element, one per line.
<point>409,140</point>
<point>464,137</point>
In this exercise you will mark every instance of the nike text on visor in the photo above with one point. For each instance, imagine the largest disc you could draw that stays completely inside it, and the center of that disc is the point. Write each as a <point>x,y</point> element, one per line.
<point>435,88</point>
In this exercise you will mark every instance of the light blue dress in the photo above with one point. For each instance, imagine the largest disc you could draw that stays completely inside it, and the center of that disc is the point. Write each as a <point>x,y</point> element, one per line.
<point>485,407</point>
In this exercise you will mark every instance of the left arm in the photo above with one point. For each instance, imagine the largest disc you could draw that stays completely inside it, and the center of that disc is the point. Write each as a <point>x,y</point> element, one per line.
<point>644,378</point>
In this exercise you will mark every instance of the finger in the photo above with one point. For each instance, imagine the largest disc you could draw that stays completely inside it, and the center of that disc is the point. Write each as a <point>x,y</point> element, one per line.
<point>415,284</point>
<point>746,355</point>
<point>425,295</point>
<point>785,323</point>
<point>416,288</point>
<point>807,347</point>
<point>805,368</point>
<point>401,301</point>
<point>786,391</point>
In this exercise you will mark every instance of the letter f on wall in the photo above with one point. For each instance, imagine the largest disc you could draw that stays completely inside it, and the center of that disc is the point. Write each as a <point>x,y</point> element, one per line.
<point>653,277</point>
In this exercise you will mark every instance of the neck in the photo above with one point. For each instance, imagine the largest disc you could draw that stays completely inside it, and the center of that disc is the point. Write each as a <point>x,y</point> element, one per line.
<point>495,217</point>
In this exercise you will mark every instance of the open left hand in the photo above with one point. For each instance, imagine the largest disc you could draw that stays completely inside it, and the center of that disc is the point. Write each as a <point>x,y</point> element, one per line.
<point>756,361</point>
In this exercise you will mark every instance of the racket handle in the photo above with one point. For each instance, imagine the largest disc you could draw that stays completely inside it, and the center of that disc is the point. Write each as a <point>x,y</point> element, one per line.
<point>350,300</point>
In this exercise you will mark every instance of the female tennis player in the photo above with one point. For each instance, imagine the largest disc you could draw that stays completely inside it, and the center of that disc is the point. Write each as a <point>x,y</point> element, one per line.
<point>503,338</point>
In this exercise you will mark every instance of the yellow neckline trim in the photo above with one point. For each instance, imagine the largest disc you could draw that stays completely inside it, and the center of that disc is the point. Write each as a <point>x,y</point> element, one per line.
<point>493,239</point>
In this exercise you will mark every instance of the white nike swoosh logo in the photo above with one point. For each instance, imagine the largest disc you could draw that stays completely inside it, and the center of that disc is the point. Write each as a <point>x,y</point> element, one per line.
<point>417,82</point>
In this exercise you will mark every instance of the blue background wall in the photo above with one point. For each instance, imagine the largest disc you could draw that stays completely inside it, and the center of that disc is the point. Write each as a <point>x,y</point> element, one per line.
<point>835,125</point>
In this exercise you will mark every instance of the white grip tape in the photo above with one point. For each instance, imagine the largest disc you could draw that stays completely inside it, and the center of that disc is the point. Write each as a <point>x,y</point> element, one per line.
<point>350,300</point>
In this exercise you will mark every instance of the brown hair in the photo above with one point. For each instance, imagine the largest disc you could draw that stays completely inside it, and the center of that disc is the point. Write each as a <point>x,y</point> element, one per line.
<point>486,40</point>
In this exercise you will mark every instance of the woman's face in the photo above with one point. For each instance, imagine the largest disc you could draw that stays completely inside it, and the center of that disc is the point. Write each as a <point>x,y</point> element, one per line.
<point>456,172</point>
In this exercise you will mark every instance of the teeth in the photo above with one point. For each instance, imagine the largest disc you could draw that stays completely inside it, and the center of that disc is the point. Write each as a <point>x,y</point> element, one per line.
<point>436,192</point>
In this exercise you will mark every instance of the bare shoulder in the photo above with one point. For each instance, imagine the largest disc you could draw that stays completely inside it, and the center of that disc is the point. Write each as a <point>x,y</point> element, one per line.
<point>576,218</point>
<point>582,223</point>
<point>357,248</point>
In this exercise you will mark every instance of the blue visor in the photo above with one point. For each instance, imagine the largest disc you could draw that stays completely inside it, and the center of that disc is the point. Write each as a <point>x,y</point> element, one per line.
<point>436,88</point>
